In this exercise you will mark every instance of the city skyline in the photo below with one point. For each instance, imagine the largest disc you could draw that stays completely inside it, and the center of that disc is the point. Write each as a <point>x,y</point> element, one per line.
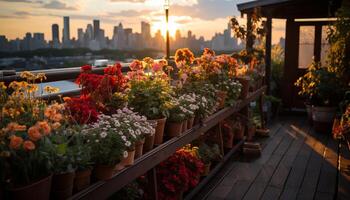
<point>93,37</point>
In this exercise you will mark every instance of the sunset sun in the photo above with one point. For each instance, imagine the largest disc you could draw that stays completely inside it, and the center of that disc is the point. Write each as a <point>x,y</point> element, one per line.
<point>162,26</point>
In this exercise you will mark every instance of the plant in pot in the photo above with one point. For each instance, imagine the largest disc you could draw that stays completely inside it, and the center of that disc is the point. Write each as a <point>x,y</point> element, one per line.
<point>63,158</point>
<point>108,146</point>
<point>208,154</point>
<point>189,107</point>
<point>150,96</point>
<point>134,128</point>
<point>25,146</point>
<point>176,120</point>
<point>325,91</point>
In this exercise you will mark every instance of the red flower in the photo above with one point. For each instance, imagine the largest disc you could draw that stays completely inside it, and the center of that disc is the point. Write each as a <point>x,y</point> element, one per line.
<point>86,68</point>
<point>82,110</point>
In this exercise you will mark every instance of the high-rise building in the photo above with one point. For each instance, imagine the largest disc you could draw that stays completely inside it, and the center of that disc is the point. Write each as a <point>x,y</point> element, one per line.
<point>55,33</point>
<point>39,41</point>
<point>146,34</point>
<point>96,28</point>
<point>80,37</point>
<point>66,31</point>
<point>127,32</point>
<point>120,37</point>
<point>89,34</point>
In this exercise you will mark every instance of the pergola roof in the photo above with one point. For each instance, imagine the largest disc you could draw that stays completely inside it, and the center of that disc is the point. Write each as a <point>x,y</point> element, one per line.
<point>291,8</point>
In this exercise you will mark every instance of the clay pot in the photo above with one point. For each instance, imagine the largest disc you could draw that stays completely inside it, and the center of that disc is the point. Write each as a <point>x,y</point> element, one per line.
<point>174,129</point>
<point>184,126</point>
<point>82,180</point>
<point>206,169</point>
<point>118,167</point>
<point>245,86</point>
<point>197,120</point>
<point>222,95</point>
<point>128,161</point>
<point>37,190</point>
<point>309,112</point>
<point>149,143</point>
<point>158,139</point>
<point>238,131</point>
<point>139,148</point>
<point>104,172</point>
<point>251,132</point>
<point>62,185</point>
<point>323,118</point>
<point>190,122</point>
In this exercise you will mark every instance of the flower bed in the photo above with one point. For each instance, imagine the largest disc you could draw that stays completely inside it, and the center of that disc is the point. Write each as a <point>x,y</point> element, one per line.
<point>103,129</point>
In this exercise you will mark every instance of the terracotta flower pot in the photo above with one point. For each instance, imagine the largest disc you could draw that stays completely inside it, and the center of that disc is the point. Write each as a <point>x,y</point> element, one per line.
<point>222,95</point>
<point>139,148</point>
<point>158,139</point>
<point>323,118</point>
<point>239,131</point>
<point>62,185</point>
<point>184,126</point>
<point>196,121</point>
<point>104,172</point>
<point>149,143</point>
<point>128,161</point>
<point>206,169</point>
<point>118,167</point>
<point>190,122</point>
<point>82,180</point>
<point>251,132</point>
<point>245,86</point>
<point>309,112</point>
<point>37,190</point>
<point>174,129</point>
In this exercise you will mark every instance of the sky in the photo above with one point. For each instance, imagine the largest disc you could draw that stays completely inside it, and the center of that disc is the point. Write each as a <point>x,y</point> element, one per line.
<point>202,17</point>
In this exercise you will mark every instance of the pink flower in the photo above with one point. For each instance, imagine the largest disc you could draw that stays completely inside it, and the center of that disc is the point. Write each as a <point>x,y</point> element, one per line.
<point>136,65</point>
<point>157,67</point>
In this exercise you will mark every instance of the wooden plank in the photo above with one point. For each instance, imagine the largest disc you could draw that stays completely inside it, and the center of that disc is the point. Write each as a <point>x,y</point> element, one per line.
<point>271,193</point>
<point>309,184</point>
<point>239,189</point>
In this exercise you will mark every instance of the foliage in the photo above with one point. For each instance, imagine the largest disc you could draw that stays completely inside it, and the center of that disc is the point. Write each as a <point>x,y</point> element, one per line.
<point>277,63</point>
<point>108,147</point>
<point>339,39</point>
<point>320,86</point>
<point>128,192</point>
<point>208,153</point>
<point>150,97</point>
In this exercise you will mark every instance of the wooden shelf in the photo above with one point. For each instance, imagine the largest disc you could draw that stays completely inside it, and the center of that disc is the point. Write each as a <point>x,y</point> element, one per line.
<point>104,189</point>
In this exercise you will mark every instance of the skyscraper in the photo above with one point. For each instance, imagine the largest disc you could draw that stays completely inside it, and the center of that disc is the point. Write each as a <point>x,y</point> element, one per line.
<point>96,28</point>
<point>55,33</point>
<point>146,34</point>
<point>66,31</point>
<point>80,37</point>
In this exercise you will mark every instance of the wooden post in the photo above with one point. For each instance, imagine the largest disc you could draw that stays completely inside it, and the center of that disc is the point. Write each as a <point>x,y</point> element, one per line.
<point>317,42</point>
<point>268,54</point>
<point>152,186</point>
<point>249,39</point>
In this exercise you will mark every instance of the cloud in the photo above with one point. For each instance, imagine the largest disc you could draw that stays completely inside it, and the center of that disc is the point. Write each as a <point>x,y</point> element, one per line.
<point>55,4</point>
<point>129,13</point>
<point>18,1</point>
<point>129,1</point>
<point>205,9</point>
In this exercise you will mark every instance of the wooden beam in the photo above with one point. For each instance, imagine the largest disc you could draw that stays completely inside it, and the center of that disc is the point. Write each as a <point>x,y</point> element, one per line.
<point>268,53</point>
<point>249,39</point>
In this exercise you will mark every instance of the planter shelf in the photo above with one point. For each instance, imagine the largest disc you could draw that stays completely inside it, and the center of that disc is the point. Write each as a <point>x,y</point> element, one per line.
<point>104,189</point>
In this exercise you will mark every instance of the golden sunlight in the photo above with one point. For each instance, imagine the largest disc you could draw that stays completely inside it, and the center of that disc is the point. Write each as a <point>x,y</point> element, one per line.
<point>162,26</point>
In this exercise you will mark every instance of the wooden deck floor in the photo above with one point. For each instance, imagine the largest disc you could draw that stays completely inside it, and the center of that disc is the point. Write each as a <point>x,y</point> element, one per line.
<point>296,163</point>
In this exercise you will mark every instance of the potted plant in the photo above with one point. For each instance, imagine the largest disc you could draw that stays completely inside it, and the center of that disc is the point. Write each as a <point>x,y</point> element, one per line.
<point>190,104</point>
<point>325,91</point>
<point>176,120</point>
<point>150,95</point>
<point>208,154</point>
<point>108,146</point>
<point>25,143</point>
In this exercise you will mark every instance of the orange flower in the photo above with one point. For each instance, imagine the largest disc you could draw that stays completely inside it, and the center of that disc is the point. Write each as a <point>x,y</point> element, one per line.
<point>28,145</point>
<point>34,133</point>
<point>65,99</point>
<point>13,126</point>
<point>15,142</point>
<point>44,127</point>
<point>49,112</point>
<point>56,125</point>
<point>57,117</point>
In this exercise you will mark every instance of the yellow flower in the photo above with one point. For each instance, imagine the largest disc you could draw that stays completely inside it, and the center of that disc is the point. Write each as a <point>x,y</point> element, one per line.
<point>3,86</point>
<point>27,75</point>
<point>51,90</point>
<point>41,76</point>
<point>32,88</point>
